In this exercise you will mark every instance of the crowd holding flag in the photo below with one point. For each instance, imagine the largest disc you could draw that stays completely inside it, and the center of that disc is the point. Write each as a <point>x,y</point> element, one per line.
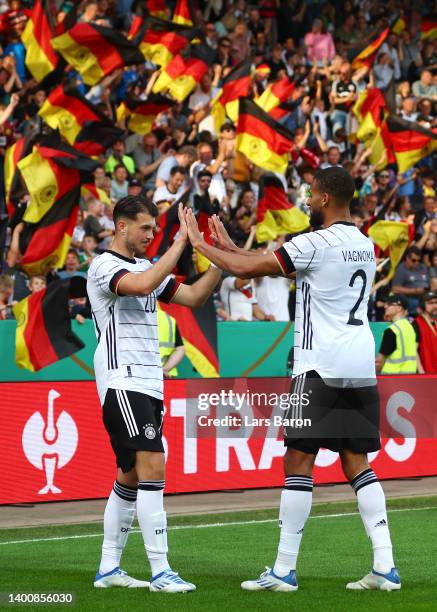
<point>183,14</point>
<point>44,333</point>
<point>194,69</point>
<point>367,56</point>
<point>160,41</point>
<point>96,51</point>
<point>235,85</point>
<point>275,214</point>
<point>275,94</point>
<point>264,141</point>
<point>140,114</point>
<point>41,58</point>
<point>391,235</point>
<point>411,141</point>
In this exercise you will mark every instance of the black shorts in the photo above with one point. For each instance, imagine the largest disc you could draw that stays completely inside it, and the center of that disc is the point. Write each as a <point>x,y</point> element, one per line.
<point>335,418</point>
<point>134,422</point>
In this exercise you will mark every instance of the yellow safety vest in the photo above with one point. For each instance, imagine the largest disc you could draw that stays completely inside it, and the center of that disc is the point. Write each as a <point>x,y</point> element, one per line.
<point>403,360</point>
<point>167,337</point>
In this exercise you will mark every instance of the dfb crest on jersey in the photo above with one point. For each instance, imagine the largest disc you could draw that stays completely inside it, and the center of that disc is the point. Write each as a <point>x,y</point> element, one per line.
<point>149,432</point>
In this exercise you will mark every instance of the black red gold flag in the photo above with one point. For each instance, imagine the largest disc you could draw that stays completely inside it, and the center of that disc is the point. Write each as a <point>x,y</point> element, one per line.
<point>41,57</point>
<point>44,333</point>
<point>96,51</point>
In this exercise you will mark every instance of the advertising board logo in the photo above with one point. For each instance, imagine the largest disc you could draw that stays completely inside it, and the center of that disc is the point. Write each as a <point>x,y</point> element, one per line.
<point>48,444</point>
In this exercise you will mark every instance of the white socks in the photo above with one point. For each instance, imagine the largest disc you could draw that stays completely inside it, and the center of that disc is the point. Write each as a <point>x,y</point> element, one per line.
<point>296,500</point>
<point>153,523</point>
<point>371,504</point>
<point>117,522</point>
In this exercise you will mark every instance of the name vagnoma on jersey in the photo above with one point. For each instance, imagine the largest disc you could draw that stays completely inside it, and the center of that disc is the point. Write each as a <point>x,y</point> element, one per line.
<point>335,268</point>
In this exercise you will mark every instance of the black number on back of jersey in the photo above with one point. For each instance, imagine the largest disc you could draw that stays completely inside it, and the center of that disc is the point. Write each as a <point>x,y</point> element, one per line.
<point>150,303</point>
<point>358,274</point>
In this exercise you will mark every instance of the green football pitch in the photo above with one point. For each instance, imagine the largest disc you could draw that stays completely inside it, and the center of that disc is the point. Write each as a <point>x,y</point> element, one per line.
<point>217,552</point>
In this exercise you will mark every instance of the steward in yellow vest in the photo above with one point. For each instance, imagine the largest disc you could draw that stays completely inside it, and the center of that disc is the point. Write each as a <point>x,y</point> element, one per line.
<point>398,351</point>
<point>171,347</point>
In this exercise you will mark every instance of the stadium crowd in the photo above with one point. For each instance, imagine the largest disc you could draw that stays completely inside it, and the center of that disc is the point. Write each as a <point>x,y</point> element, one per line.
<point>185,156</point>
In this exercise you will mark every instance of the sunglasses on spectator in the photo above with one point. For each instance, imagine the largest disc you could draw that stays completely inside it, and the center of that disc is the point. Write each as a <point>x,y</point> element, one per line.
<point>414,259</point>
<point>384,176</point>
<point>225,45</point>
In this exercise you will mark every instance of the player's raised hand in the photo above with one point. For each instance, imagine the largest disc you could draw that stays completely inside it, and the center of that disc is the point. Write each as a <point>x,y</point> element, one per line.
<point>219,234</point>
<point>183,231</point>
<point>195,236</point>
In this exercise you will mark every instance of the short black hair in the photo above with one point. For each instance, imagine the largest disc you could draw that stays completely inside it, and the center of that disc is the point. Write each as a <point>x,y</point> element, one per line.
<point>130,206</point>
<point>176,170</point>
<point>413,250</point>
<point>203,173</point>
<point>337,182</point>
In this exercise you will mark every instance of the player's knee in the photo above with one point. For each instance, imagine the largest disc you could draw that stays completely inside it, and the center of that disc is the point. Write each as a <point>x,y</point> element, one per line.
<point>297,462</point>
<point>150,466</point>
<point>353,463</point>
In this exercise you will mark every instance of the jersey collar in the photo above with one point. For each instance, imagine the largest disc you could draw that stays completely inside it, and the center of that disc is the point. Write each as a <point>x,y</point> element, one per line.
<point>343,223</point>
<point>121,256</point>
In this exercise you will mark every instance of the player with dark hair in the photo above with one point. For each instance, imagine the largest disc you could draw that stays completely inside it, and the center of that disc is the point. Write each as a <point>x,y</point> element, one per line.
<point>123,287</point>
<point>334,369</point>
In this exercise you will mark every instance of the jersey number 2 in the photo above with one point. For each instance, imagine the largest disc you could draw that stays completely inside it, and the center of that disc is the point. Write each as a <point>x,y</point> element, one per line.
<point>358,274</point>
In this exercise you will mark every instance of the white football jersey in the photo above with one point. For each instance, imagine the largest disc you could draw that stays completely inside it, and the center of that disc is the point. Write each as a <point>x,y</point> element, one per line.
<point>334,267</point>
<point>127,355</point>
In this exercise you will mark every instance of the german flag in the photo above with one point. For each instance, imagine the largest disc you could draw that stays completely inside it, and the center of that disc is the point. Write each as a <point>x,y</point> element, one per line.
<point>428,29</point>
<point>156,8</point>
<point>45,244</point>
<point>44,332</point>
<point>167,75</point>
<point>235,86</point>
<point>410,141</point>
<point>399,25</point>
<point>263,141</point>
<point>370,110</point>
<point>198,328</point>
<point>66,110</point>
<point>275,94</point>
<point>159,41</point>
<point>50,172</point>
<point>167,228</point>
<point>183,14</point>
<point>275,214</point>
<point>95,51</point>
<point>392,235</point>
<point>89,190</point>
<point>41,58</point>
<point>141,114</point>
<point>367,56</point>
<point>96,137</point>
<point>14,187</point>
<point>195,67</point>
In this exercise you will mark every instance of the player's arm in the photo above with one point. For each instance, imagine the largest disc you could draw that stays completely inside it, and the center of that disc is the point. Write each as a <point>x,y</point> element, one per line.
<point>222,240</point>
<point>195,295</point>
<point>143,283</point>
<point>236,263</point>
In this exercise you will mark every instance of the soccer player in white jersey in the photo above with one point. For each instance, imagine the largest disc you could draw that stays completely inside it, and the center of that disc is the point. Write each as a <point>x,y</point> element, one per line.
<point>334,367</point>
<point>123,288</point>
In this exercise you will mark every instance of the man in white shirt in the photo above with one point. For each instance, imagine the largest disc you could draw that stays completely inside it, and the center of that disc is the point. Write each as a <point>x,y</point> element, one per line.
<point>123,288</point>
<point>174,187</point>
<point>334,379</point>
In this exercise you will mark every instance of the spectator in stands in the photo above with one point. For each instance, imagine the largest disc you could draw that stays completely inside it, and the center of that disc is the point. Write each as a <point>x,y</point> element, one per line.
<point>239,300</point>
<point>425,326</point>
<point>173,188</point>
<point>71,266</point>
<point>148,156</point>
<point>398,351</point>
<point>424,87</point>
<point>6,291</point>
<point>184,157</point>
<point>93,222</point>
<point>119,156</point>
<point>411,279</point>
<point>319,44</point>
<point>119,184</point>
<point>37,283</point>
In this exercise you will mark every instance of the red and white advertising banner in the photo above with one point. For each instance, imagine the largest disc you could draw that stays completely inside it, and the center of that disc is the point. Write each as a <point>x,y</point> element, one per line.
<point>53,445</point>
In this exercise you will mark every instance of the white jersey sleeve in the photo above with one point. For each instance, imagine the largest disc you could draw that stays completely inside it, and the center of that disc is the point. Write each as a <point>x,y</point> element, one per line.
<point>302,253</point>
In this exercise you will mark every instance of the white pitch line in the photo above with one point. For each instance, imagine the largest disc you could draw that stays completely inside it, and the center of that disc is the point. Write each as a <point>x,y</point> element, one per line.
<point>206,525</point>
